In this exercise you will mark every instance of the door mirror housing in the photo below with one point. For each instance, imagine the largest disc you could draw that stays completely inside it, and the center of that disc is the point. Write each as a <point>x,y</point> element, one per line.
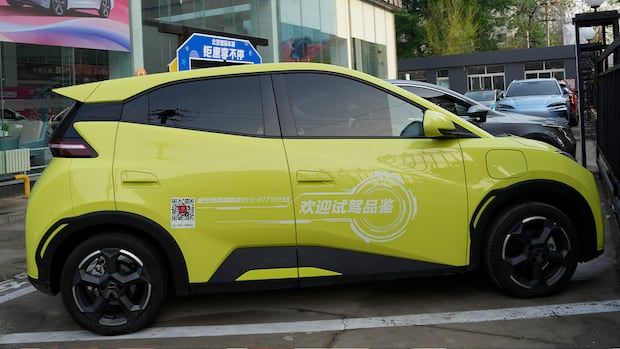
<point>478,112</point>
<point>437,125</point>
<point>500,96</point>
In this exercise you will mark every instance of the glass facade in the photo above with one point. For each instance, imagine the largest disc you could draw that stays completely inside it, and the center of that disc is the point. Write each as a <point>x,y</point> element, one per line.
<point>297,30</point>
<point>307,32</point>
<point>30,110</point>
<point>241,17</point>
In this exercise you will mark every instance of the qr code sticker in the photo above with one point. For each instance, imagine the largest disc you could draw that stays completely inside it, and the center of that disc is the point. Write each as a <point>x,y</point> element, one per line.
<point>182,213</point>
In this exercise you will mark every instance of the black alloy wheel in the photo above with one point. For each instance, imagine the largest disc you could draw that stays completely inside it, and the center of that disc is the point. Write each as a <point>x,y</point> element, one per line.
<point>112,284</point>
<point>59,7</point>
<point>532,250</point>
<point>104,9</point>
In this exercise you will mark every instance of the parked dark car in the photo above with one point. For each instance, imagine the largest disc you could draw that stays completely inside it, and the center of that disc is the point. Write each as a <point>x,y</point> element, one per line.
<point>547,130</point>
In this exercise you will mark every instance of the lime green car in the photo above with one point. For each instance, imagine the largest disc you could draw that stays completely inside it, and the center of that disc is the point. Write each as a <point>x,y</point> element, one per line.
<point>288,175</point>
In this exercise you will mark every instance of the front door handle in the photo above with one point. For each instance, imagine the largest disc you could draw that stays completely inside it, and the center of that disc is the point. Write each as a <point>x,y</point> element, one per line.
<point>138,177</point>
<point>313,176</point>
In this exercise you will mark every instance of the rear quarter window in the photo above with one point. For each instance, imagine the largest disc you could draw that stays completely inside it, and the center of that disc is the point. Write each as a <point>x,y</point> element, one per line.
<point>228,105</point>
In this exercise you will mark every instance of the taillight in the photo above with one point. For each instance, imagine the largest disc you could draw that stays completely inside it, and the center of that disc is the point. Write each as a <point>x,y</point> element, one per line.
<point>71,148</point>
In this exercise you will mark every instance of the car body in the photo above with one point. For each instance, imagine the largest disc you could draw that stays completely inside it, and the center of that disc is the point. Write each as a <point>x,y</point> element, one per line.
<point>541,97</point>
<point>288,175</point>
<point>573,102</point>
<point>488,98</point>
<point>60,7</point>
<point>497,123</point>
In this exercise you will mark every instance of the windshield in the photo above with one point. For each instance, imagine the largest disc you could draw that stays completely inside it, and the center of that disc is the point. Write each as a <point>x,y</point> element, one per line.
<point>533,88</point>
<point>481,95</point>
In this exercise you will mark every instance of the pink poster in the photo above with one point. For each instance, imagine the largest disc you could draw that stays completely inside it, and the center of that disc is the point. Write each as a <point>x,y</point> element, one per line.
<point>96,24</point>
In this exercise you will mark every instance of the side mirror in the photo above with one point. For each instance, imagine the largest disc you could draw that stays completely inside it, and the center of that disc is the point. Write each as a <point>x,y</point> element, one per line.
<point>500,96</point>
<point>478,112</point>
<point>437,125</point>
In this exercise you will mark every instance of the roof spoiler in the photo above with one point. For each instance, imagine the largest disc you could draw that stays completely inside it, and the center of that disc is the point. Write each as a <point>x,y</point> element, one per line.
<point>78,93</point>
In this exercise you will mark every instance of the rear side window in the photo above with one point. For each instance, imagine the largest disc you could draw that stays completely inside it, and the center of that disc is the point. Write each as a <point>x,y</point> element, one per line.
<point>86,112</point>
<point>229,105</point>
<point>324,105</point>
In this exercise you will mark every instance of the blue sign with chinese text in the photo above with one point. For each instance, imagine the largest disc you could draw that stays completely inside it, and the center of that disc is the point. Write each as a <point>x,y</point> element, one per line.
<point>217,49</point>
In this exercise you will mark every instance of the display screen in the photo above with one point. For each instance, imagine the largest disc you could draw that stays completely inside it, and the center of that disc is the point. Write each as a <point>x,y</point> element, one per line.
<point>95,24</point>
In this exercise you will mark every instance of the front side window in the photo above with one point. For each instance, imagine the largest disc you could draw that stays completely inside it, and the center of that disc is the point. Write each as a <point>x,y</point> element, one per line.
<point>229,105</point>
<point>324,105</point>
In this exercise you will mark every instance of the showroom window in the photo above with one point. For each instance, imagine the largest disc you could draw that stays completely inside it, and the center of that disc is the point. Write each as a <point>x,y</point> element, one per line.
<point>230,105</point>
<point>547,69</point>
<point>486,77</point>
<point>325,105</point>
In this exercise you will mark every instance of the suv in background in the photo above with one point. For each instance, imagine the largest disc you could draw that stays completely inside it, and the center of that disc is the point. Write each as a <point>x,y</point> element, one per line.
<point>497,123</point>
<point>541,97</point>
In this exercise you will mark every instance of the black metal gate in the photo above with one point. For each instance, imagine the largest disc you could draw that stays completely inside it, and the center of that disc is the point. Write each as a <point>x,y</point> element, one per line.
<point>608,117</point>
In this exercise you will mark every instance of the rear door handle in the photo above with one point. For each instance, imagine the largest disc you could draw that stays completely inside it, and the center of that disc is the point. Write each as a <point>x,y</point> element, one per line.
<point>138,177</point>
<point>313,176</point>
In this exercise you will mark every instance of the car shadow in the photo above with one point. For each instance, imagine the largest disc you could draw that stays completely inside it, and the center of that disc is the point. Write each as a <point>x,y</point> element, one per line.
<point>36,11</point>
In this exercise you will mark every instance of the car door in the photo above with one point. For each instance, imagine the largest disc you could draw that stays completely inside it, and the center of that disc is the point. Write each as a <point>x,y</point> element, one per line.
<point>204,159</point>
<point>372,195</point>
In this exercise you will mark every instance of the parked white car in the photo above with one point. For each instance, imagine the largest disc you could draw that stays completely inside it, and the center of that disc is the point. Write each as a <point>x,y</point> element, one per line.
<point>60,7</point>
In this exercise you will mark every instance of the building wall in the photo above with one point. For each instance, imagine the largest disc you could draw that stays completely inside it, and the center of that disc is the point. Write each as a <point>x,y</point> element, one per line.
<point>513,63</point>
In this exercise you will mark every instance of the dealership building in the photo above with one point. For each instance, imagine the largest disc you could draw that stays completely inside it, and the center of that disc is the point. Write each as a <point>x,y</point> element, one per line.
<point>41,50</point>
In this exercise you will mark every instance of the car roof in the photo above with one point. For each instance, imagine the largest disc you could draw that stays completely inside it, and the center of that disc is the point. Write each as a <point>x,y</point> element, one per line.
<point>533,80</point>
<point>117,90</point>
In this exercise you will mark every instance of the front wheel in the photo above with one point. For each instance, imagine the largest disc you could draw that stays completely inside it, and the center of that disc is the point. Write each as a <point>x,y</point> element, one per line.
<point>113,284</point>
<point>59,7</point>
<point>532,250</point>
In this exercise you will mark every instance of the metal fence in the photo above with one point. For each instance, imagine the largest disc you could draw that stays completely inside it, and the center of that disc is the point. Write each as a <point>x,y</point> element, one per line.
<point>608,116</point>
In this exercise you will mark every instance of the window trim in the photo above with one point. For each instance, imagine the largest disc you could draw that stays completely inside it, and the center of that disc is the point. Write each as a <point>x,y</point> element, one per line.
<point>269,113</point>
<point>287,121</point>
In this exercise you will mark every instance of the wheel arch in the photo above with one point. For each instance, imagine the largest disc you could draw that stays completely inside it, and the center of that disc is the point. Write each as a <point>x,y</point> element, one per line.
<point>557,194</point>
<point>60,245</point>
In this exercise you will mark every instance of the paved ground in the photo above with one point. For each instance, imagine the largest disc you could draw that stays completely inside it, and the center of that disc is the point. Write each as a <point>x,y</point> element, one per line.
<point>450,311</point>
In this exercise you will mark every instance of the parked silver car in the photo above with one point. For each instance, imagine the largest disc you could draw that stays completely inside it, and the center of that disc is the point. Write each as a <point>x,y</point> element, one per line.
<point>60,7</point>
<point>542,97</point>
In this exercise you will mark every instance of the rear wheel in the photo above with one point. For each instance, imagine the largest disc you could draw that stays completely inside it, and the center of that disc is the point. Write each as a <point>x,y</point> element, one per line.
<point>113,284</point>
<point>531,250</point>
<point>104,9</point>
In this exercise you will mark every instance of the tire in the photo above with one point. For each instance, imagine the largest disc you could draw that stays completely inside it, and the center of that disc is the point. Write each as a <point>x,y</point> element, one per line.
<point>531,250</point>
<point>15,3</point>
<point>118,299</point>
<point>104,9</point>
<point>58,7</point>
